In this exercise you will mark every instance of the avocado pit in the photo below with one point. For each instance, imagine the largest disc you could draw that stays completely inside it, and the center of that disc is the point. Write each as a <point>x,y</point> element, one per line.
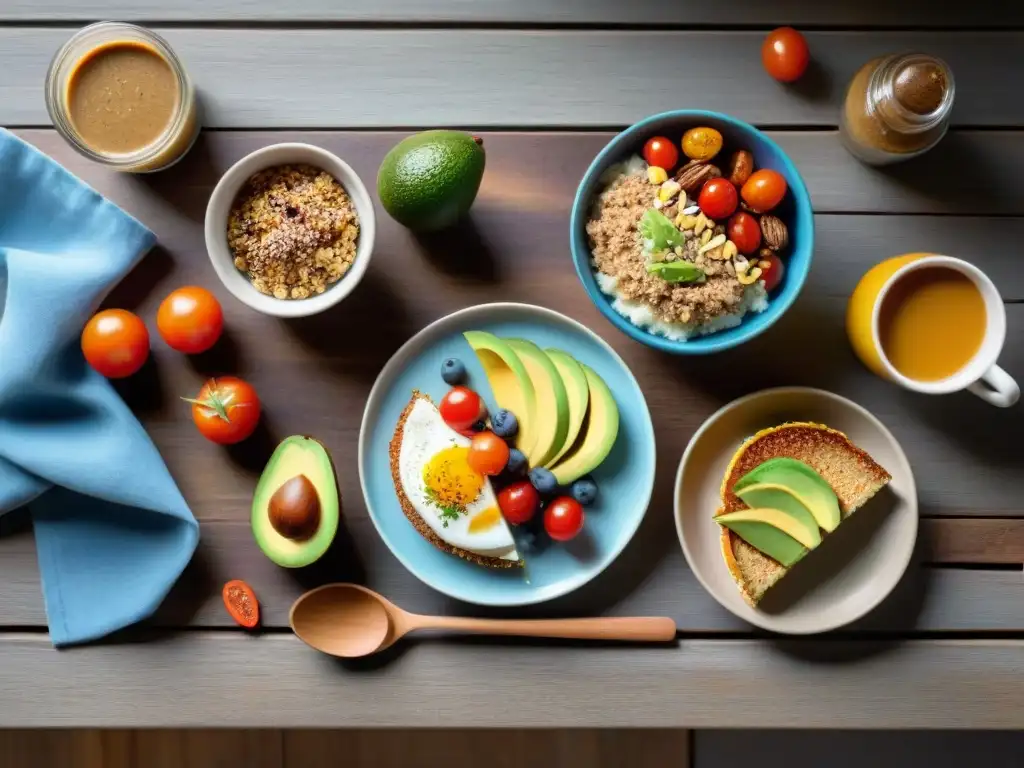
<point>294,509</point>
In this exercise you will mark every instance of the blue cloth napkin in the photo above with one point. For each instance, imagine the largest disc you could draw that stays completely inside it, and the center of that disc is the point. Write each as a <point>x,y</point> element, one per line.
<point>112,531</point>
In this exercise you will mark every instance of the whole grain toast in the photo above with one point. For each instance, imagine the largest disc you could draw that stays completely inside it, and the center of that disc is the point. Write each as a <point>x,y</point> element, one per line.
<point>853,474</point>
<point>394,448</point>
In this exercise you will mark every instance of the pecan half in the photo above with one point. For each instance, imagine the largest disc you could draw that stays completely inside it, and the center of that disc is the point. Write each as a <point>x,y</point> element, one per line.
<point>774,232</point>
<point>693,175</point>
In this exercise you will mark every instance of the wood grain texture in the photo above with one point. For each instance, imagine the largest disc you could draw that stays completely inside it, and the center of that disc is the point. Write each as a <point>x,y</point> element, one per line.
<point>855,749</point>
<point>314,376</point>
<point>976,541</point>
<point>67,749</point>
<point>272,78</point>
<point>868,13</point>
<point>639,748</point>
<point>168,748</point>
<point>650,578</point>
<point>200,679</point>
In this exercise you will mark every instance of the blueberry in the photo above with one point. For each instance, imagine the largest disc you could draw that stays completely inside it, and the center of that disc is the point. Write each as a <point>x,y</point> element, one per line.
<point>453,371</point>
<point>543,480</point>
<point>516,462</point>
<point>584,490</point>
<point>504,423</point>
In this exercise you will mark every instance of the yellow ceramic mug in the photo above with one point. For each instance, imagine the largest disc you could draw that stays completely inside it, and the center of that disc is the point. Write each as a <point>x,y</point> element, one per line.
<point>980,375</point>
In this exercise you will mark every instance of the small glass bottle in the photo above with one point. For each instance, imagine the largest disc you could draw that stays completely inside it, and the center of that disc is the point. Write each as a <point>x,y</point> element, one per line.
<point>182,127</point>
<point>897,107</point>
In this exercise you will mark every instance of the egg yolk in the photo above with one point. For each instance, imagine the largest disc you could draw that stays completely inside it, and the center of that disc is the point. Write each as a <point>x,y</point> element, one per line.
<point>484,521</point>
<point>449,478</point>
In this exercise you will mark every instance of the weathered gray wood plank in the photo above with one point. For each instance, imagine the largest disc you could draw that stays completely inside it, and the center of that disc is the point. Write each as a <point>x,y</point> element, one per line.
<point>917,13</point>
<point>651,579</point>
<point>895,749</point>
<point>225,679</point>
<point>259,78</point>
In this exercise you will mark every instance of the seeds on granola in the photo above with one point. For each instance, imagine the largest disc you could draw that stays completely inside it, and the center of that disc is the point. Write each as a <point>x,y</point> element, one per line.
<point>293,230</point>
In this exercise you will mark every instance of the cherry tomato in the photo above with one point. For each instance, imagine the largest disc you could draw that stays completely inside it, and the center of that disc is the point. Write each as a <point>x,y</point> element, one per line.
<point>563,518</point>
<point>772,274</point>
<point>190,320</point>
<point>763,190</point>
<point>701,143</point>
<point>718,198</point>
<point>661,152</point>
<point>745,231</point>
<point>488,453</point>
<point>785,55</point>
<point>461,408</point>
<point>115,342</point>
<point>519,502</point>
<point>226,410</point>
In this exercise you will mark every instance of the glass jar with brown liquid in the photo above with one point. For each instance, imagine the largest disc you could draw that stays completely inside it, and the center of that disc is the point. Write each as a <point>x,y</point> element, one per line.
<point>897,107</point>
<point>119,95</point>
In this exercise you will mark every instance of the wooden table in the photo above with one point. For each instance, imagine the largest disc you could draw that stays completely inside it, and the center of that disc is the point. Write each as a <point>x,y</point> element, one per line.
<point>546,83</point>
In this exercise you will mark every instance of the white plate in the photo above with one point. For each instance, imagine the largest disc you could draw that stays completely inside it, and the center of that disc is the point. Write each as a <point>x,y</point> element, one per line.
<point>866,556</point>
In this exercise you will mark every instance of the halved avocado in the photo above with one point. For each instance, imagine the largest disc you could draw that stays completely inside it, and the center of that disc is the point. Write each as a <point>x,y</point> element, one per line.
<point>552,411</point>
<point>296,506</point>
<point>597,435</point>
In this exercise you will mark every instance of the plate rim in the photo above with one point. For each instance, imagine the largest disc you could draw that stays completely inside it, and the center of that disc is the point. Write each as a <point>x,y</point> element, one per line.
<point>378,392</point>
<point>758,619</point>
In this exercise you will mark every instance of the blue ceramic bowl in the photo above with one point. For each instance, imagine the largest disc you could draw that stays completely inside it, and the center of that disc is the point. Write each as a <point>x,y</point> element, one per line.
<point>795,211</point>
<point>625,479</point>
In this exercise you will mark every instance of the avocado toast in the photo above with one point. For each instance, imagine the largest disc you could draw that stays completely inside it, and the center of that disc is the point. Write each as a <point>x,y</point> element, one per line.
<point>852,474</point>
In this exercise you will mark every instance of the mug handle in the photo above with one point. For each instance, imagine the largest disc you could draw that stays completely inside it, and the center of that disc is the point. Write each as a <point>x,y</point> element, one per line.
<point>997,387</point>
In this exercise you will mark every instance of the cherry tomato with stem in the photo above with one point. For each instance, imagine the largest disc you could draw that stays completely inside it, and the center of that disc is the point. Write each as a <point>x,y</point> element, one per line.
<point>764,190</point>
<point>745,231</point>
<point>785,54</point>
<point>488,453</point>
<point>661,152</point>
<point>519,502</point>
<point>115,342</point>
<point>772,274</point>
<point>226,410</point>
<point>461,408</point>
<point>563,518</point>
<point>190,320</point>
<point>718,198</point>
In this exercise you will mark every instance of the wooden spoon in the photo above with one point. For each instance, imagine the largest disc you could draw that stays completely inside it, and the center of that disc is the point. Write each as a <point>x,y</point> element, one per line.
<point>350,621</point>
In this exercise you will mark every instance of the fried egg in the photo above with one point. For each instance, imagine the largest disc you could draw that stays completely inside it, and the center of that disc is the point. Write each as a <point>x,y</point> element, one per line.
<point>453,499</point>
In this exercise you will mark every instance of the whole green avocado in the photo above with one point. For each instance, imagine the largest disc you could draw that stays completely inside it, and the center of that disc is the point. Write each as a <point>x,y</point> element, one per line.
<point>429,180</point>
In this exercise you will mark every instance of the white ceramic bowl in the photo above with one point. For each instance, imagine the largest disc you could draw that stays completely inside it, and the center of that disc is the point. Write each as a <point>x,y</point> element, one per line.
<point>856,567</point>
<point>223,197</point>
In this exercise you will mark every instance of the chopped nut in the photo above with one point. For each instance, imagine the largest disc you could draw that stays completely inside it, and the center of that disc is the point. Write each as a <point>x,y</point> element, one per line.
<point>679,250</point>
<point>702,223</point>
<point>729,250</point>
<point>705,236</point>
<point>657,256</point>
<point>691,210</point>
<point>714,242</point>
<point>749,278</point>
<point>740,166</point>
<point>656,175</point>
<point>669,190</point>
<point>764,263</point>
<point>774,232</point>
<point>685,222</point>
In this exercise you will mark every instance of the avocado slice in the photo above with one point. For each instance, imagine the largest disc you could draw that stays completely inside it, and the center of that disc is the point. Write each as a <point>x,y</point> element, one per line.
<point>296,506</point>
<point>429,180</point>
<point>510,384</point>
<point>771,531</point>
<point>803,481</point>
<point>578,394</point>
<point>769,496</point>
<point>552,413</point>
<point>597,434</point>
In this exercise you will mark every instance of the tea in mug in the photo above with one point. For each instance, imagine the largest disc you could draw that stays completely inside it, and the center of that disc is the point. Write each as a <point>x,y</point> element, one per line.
<point>932,323</point>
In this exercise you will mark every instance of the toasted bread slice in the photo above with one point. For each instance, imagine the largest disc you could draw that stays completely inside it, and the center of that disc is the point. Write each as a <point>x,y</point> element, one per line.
<point>852,473</point>
<point>394,450</point>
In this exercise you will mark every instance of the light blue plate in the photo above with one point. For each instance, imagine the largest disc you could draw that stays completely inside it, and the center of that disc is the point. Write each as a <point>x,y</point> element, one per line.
<point>625,478</point>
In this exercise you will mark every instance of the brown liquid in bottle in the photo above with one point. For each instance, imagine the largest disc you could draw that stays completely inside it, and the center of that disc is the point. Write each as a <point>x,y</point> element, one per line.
<point>897,107</point>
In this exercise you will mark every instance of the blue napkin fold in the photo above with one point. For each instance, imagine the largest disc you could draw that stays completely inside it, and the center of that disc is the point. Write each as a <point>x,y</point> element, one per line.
<point>112,531</point>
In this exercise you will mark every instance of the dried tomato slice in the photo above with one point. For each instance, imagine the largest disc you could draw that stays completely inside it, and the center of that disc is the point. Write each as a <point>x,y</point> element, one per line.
<point>241,603</point>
